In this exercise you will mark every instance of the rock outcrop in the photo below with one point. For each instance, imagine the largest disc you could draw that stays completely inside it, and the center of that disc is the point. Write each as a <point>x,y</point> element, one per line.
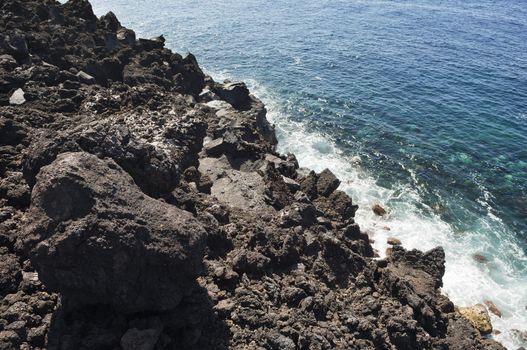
<point>143,205</point>
<point>141,257</point>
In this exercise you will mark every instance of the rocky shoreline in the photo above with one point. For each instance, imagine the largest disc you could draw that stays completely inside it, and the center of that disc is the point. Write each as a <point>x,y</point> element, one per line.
<point>143,206</point>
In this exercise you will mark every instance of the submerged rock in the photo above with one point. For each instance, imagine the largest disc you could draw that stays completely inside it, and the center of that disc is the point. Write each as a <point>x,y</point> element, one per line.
<point>480,258</point>
<point>378,210</point>
<point>493,308</point>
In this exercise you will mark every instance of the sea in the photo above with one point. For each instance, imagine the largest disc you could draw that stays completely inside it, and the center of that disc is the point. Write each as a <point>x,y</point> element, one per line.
<point>419,106</point>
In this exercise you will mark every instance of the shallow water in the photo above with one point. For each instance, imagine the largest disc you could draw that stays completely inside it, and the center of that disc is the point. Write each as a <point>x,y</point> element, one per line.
<point>420,106</point>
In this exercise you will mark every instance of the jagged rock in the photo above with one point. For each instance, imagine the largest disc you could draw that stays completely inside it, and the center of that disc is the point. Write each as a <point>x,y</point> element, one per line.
<point>153,149</point>
<point>432,262</point>
<point>7,62</point>
<point>14,189</point>
<point>250,262</point>
<point>478,317</point>
<point>97,239</point>
<point>393,241</point>
<point>110,22</point>
<point>308,185</point>
<point>126,36</point>
<point>207,95</point>
<point>10,273</point>
<point>292,184</point>
<point>215,147</point>
<point>338,206</point>
<point>236,94</point>
<point>16,45</point>
<point>298,214</point>
<point>327,183</point>
<point>286,267</point>
<point>85,78</point>
<point>281,342</point>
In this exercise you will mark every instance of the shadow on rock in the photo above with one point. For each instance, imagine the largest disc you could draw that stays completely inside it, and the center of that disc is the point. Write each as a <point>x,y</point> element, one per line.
<point>191,325</point>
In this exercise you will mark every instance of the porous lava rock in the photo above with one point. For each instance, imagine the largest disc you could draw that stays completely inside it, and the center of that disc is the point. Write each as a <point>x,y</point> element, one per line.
<point>96,238</point>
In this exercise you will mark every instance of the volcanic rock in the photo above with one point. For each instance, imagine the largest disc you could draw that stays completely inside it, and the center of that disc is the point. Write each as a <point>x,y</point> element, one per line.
<point>393,241</point>
<point>96,238</point>
<point>327,183</point>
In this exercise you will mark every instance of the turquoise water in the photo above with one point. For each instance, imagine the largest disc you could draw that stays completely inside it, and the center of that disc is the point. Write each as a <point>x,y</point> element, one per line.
<point>420,106</point>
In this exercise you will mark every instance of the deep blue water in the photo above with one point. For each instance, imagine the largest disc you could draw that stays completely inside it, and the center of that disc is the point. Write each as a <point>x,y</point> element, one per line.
<point>418,105</point>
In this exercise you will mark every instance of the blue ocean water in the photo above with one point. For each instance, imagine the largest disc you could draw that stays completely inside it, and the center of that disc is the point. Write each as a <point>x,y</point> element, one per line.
<point>420,106</point>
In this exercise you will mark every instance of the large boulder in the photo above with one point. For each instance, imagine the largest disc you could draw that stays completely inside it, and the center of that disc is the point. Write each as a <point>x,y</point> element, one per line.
<point>96,238</point>
<point>478,317</point>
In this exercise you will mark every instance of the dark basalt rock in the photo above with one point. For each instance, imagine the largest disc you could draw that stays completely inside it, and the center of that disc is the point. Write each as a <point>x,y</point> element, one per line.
<point>327,183</point>
<point>10,273</point>
<point>236,94</point>
<point>140,257</point>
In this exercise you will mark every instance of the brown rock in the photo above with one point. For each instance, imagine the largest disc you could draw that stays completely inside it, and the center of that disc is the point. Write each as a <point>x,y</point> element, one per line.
<point>378,210</point>
<point>389,251</point>
<point>393,241</point>
<point>493,308</point>
<point>480,258</point>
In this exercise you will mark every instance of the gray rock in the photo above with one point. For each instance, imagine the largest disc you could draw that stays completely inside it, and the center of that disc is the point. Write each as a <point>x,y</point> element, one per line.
<point>292,184</point>
<point>215,147</point>
<point>207,95</point>
<point>234,187</point>
<point>281,342</point>
<point>17,98</point>
<point>85,78</point>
